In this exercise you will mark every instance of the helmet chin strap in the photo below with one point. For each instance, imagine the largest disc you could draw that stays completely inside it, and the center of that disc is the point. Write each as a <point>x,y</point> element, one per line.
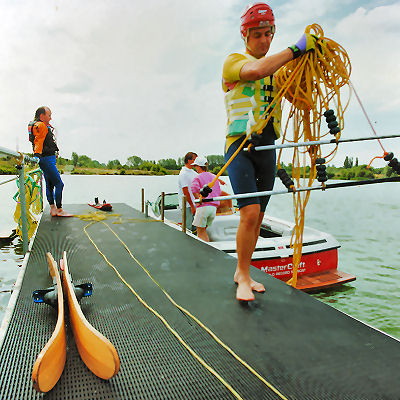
<point>245,38</point>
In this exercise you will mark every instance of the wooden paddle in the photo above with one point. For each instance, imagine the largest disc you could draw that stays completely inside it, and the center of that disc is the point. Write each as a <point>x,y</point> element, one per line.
<point>50,362</point>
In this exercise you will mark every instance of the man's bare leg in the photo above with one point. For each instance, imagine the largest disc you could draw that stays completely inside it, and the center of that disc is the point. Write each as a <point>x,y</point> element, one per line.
<point>202,234</point>
<point>246,239</point>
<point>256,286</point>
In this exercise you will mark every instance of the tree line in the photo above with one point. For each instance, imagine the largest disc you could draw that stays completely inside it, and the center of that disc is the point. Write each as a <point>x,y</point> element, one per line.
<point>85,165</point>
<point>161,167</point>
<point>350,170</point>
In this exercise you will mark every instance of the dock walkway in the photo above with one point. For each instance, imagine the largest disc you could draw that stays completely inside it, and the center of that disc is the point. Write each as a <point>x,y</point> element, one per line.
<point>302,347</point>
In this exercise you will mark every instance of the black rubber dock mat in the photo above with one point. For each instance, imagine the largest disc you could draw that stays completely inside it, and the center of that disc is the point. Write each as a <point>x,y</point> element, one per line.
<point>300,346</point>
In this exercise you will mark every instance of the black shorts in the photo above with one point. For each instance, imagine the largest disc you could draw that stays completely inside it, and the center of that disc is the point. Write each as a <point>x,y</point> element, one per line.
<point>253,171</point>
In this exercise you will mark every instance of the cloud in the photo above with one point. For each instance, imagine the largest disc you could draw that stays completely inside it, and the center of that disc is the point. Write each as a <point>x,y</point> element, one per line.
<point>112,70</point>
<point>125,79</point>
<point>371,38</point>
<point>79,83</point>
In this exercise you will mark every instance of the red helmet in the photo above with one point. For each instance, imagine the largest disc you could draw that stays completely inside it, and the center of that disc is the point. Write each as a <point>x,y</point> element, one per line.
<point>257,15</point>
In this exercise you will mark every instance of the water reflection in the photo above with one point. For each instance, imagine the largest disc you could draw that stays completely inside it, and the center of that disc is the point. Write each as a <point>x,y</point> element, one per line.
<point>11,257</point>
<point>334,294</point>
<point>14,246</point>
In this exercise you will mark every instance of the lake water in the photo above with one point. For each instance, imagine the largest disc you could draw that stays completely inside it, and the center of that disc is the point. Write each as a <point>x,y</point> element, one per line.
<point>365,220</point>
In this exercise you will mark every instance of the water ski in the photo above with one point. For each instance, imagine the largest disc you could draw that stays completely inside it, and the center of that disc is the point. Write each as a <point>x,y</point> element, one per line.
<point>103,207</point>
<point>50,362</point>
<point>96,351</point>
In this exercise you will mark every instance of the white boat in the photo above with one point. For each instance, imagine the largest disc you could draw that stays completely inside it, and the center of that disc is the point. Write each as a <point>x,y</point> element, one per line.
<point>273,253</point>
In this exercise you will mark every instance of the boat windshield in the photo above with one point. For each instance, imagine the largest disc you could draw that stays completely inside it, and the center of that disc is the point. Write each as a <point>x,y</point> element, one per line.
<point>171,202</point>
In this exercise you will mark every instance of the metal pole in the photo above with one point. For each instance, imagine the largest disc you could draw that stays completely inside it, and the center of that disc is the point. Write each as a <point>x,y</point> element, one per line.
<point>22,199</point>
<point>318,142</point>
<point>183,214</point>
<point>146,211</point>
<point>142,200</point>
<point>16,154</point>
<point>162,205</point>
<point>9,152</point>
<point>302,189</point>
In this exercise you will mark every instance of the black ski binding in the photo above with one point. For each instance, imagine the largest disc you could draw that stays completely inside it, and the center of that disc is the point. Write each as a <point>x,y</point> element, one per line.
<point>50,295</point>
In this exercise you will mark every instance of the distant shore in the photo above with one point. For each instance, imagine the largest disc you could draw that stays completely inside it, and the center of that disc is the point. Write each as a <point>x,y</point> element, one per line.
<point>348,172</point>
<point>7,167</point>
<point>114,171</point>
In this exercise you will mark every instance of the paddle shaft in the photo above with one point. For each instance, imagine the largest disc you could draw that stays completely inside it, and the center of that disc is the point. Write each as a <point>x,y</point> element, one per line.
<point>318,142</point>
<point>302,189</point>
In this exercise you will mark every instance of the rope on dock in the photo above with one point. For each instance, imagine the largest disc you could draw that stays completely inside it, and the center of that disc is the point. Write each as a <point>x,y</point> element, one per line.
<point>100,216</point>
<point>212,334</point>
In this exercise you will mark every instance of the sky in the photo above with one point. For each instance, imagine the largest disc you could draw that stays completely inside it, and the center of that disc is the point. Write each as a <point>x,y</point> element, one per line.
<point>124,77</point>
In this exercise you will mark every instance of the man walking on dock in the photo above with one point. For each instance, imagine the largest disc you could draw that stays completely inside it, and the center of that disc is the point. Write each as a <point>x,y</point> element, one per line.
<point>249,87</point>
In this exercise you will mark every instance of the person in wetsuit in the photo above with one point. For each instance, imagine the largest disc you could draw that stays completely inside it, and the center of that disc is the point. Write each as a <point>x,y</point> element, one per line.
<point>45,149</point>
<point>249,87</point>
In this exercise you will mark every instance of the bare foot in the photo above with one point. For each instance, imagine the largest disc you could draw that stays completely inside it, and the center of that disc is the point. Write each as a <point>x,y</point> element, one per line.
<point>244,292</point>
<point>256,286</point>
<point>62,213</point>
<point>53,210</point>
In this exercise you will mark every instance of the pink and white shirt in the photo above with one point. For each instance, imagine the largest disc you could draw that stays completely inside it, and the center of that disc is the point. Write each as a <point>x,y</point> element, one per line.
<point>203,179</point>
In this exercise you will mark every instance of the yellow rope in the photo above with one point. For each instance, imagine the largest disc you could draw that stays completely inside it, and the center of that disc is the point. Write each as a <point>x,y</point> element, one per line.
<point>99,216</point>
<point>162,319</point>
<point>192,352</point>
<point>315,87</point>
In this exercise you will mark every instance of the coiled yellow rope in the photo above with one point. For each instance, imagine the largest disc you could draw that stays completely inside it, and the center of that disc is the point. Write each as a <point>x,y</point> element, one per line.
<point>315,87</point>
<point>179,338</point>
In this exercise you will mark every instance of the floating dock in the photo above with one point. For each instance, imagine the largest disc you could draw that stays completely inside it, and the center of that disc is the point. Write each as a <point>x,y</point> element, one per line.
<point>298,347</point>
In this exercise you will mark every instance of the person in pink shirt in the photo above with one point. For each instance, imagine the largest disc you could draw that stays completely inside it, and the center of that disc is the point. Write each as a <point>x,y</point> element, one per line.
<point>205,212</point>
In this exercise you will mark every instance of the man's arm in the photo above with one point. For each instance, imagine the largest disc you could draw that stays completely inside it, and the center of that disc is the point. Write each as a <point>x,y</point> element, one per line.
<point>185,191</point>
<point>265,66</point>
<point>40,132</point>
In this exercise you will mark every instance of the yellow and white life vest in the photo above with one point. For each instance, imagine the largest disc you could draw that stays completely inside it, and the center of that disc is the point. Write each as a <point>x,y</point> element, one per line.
<point>247,102</point>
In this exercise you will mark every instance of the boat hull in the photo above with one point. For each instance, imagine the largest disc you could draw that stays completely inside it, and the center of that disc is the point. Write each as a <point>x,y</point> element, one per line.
<point>282,268</point>
<point>274,253</point>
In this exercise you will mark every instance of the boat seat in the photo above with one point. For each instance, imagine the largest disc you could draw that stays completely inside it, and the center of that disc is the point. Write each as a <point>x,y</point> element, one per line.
<point>223,228</point>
